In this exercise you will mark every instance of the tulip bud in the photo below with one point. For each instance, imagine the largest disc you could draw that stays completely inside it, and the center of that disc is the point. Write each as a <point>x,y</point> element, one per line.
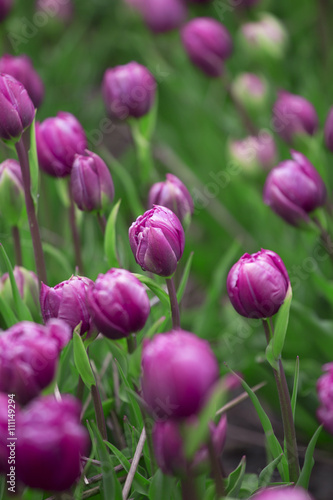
<point>293,115</point>
<point>163,15</point>
<point>21,68</point>
<point>328,131</point>
<point>172,194</point>
<point>50,442</point>
<point>29,357</point>
<point>250,90</point>
<point>325,396</point>
<point>169,447</point>
<point>208,44</point>
<point>12,201</point>
<point>118,304</point>
<point>67,301</point>
<point>128,91</point>
<point>157,241</point>
<point>59,139</point>
<point>5,8</point>
<point>294,189</point>
<point>283,493</point>
<point>91,183</point>
<point>28,287</point>
<point>179,371</point>
<point>257,284</point>
<point>253,154</point>
<point>17,109</point>
<point>267,37</point>
<point>62,10</point>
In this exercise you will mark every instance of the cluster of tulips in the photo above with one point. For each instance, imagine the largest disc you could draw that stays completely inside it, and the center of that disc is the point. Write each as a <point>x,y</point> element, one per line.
<point>179,371</point>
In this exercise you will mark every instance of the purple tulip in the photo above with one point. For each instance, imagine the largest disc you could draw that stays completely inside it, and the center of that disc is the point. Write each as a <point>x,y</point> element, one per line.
<point>157,241</point>
<point>62,10</point>
<point>28,287</point>
<point>12,201</point>
<point>169,449</point>
<point>328,131</point>
<point>91,183</point>
<point>179,371</point>
<point>17,111</point>
<point>172,194</point>
<point>59,139</point>
<point>21,68</point>
<point>208,44</point>
<point>254,153</point>
<point>128,91</point>
<point>264,38</point>
<point>5,8</point>
<point>50,442</point>
<point>325,396</point>
<point>257,284</point>
<point>163,15</point>
<point>29,357</point>
<point>67,301</point>
<point>294,189</point>
<point>293,115</point>
<point>118,304</point>
<point>283,493</point>
<point>250,89</point>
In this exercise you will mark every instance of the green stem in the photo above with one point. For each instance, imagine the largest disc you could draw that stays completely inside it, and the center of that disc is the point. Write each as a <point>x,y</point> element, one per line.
<point>216,469</point>
<point>173,303</point>
<point>102,222</point>
<point>144,153</point>
<point>189,491</point>
<point>131,343</point>
<point>80,389</point>
<point>247,121</point>
<point>75,232</point>
<point>99,411</point>
<point>33,223</point>
<point>17,246</point>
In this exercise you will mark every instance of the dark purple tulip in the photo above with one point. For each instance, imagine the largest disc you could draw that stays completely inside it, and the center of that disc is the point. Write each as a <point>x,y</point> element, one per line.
<point>169,451</point>
<point>179,371</point>
<point>17,111</point>
<point>283,493</point>
<point>294,189</point>
<point>5,8</point>
<point>50,442</point>
<point>91,183</point>
<point>21,68</point>
<point>328,131</point>
<point>325,396</point>
<point>29,357</point>
<point>208,44</point>
<point>172,194</point>
<point>67,301</point>
<point>118,304</point>
<point>128,91</point>
<point>293,115</point>
<point>157,241</point>
<point>257,284</point>
<point>163,15</point>
<point>62,10</point>
<point>12,201</point>
<point>28,287</point>
<point>59,139</point>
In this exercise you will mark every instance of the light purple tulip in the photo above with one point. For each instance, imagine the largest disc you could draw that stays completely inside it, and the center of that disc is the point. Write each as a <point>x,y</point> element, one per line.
<point>283,493</point>
<point>294,189</point>
<point>264,38</point>
<point>250,89</point>
<point>325,396</point>
<point>63,10</point>
<point>179,371</point>
<point>257,284</point>
<point>254,153</point>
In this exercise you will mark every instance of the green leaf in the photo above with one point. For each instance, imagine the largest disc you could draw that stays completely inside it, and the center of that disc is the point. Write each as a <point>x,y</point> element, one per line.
<point>161,486</point>
<point>110,247</point>
<point>275,347</point>
<point>249,485</point>
<point>266,474</point>
<point>134,404</point>
<point>59,257</point>
<point>235,478</point>
<point>148,122</point>
<point>304,477</point>
<point>31,494</point>
<point>33,162</point>
<point>183,282</point>
<point>143,149</point>
<point>153,329</point>
<point>21,310</point>
<point>81,360</point>
<point>8,315</point>
<point>155,288</point>
<point>295,388</point>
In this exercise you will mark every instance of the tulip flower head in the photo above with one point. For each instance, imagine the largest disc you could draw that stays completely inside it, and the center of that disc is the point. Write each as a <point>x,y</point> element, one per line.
<point>264,38</point>
<point>253,154</point>
<point>157,241</point>
<point>251,90</point>
<point>12,202</point>
<point>257,284</point>
<point>161,16</point>
<point>62,10</point>
<point>5,8</point>
<point>328,131</point>
<point>294,189</point>
<point>283,493</point>
<point>325,396</point>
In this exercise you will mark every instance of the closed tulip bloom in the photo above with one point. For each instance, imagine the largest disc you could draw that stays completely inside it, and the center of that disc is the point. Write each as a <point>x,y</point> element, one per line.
<point>91,183</point>
<point>21,68</point>
<point>59,139</point>
<point>157,241</point>
<point>294,189</point>
<point>28,287</point>
<point>17,111</point>
<point>325,396</point>
<point>62,10</point>
<point>257,284</point>
<point>163,15</point>
<point>208,44</point>
<point>29,357</point>
<point>118,303</point>
<point>283,493</point>
<point>253,153</point>
<point>264,38</point>
<point>128,91</point>
<point>328,131</point>
<point>67,301</point>
<point>179,371</point>
<point>293,115</point>
<point>50,443</point>
<point>5,8</point>
<point>172,194</point>
<point>169,447</point>
<point>251,90</point>
<point>12,201</point>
